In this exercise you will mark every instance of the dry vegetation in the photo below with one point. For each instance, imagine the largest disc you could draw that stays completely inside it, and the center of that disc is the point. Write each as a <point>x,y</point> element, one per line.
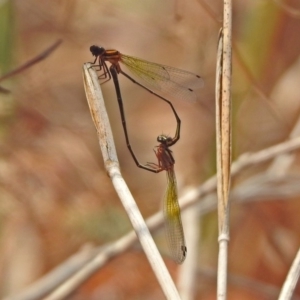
<point>55,197</point>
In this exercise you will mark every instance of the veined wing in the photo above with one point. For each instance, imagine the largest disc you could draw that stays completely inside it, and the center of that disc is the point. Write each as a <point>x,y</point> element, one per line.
<point>167,80</point>
<point>173,222</point>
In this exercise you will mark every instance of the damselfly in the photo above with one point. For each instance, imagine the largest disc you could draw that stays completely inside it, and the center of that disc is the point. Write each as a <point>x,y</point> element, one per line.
<point>171,208</point>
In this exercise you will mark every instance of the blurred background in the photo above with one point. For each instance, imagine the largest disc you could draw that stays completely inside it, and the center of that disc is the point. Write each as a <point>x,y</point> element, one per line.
<point>55,196</point>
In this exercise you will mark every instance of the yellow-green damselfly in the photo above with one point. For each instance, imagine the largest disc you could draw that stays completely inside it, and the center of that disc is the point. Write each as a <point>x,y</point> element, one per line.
<point>171,208</point>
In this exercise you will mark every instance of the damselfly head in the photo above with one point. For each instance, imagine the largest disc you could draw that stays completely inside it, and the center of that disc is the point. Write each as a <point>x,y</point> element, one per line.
<point>164,139</point>
<point>97,51</point>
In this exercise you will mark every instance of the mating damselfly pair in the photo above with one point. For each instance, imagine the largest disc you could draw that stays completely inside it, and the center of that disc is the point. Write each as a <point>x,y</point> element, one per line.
<point>163,80</point>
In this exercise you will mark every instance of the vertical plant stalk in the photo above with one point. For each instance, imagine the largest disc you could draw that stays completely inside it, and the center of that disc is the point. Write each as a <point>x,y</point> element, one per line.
<point>101,121</point>
<point>223,142</point>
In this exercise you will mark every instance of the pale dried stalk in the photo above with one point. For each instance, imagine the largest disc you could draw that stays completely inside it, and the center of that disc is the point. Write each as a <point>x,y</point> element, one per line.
<point>223,137</point>
<point>291,280</point>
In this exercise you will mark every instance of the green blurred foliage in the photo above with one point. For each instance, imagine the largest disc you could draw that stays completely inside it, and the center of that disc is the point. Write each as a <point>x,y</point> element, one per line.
<point>6,35</point>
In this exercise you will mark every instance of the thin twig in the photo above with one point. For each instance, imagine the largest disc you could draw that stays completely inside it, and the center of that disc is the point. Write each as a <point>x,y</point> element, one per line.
<point>57,276</point>
<point>293,12</point>
<point>32,61</point>
<point>292,279</point>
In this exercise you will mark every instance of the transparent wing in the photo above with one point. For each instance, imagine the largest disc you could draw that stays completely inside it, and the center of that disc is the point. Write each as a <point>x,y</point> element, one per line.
<point>173,222</point>
<point>177,83</point>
